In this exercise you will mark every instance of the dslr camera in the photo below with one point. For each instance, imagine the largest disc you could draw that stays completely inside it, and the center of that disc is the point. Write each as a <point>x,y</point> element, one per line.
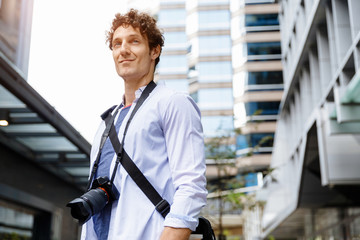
<point>101,193</point>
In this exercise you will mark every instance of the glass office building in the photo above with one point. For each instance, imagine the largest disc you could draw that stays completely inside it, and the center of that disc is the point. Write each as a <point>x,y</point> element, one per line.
<point>226,55</point>
<point>197,57</point>
<point>257,79</point>
<point>257,88</point>
<point>173,68</point>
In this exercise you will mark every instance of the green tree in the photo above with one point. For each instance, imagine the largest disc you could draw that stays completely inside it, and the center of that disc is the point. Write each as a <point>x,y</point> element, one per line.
<point>221,151</point>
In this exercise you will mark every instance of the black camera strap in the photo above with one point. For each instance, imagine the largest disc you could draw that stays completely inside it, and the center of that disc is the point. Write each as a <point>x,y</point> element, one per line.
<point>161,205</point>
<point>110,118</point>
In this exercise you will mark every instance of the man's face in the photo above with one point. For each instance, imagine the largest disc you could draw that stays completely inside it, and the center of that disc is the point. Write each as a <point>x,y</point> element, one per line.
<point>132,56</point>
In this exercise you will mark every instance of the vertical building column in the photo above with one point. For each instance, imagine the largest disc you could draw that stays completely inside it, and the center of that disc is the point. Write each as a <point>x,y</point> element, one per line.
<point>324,58</point>
<point>306,94</point>
<point>331,38</point>
<point>315,76</point>
<point>354,7</point>
<point>342,27</point>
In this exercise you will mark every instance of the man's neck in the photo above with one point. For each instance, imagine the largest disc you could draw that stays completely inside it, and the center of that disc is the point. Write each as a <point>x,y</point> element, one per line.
<point>131,87</point>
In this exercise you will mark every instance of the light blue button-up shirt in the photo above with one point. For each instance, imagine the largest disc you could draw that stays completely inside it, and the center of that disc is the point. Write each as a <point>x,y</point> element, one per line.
<point>165,140</point>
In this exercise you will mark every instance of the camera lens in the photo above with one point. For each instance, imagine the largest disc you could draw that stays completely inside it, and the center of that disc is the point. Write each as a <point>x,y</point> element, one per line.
<point>88,204</point>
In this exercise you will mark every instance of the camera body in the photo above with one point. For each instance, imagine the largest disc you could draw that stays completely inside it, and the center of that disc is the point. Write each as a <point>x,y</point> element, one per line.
<point>101,193</point>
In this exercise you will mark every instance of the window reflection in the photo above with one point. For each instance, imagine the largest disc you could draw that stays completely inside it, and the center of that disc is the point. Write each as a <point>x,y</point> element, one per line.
<point>175,39</point>
<point>15,222</point>
<point>217,125</point>
<point>262,108</point>
<point>252,20</point>
<point>215,45</point>
<point>214,71</point>
<point>263,48</point>
<point>215,98</point>
<point>176,64</point>
<point>181,85</point>
<point>219,19</point>
<point>254,140</point>
<point>255,78</point>
<point>212,2</point>
<point>172,17</point>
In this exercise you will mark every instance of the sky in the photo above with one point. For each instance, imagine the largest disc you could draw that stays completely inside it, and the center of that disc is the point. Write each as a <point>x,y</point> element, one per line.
<point>70,65</point>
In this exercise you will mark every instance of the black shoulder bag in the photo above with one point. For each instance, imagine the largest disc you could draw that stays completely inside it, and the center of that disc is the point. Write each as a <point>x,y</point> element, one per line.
<point>161,205</point>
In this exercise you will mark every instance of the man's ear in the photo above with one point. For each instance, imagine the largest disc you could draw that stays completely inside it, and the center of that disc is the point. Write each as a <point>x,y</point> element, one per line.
<point>155,52</point>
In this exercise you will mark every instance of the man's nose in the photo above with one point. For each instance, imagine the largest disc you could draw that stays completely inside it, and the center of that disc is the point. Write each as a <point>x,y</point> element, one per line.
<point>124,49</point>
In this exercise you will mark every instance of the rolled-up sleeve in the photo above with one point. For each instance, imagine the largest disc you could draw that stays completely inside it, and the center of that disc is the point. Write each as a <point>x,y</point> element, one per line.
<point>185,147</point>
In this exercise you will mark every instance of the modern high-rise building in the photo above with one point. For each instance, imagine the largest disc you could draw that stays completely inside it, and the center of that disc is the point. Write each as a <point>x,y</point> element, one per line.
<point>210,84</point>
<point>257,87</point>
<point>172,69</point>
<point>226,54</point>
<point>257,79</point>
<point>314,190</point>
<point>209,63</point>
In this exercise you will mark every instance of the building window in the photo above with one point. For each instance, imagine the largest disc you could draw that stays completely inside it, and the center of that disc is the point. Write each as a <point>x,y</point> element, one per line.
<point>181,85</point>
<point>172,18</point>
<point>214,71</point>
<point>253,2</point>
<point>172,2</point>
<point>214,20</point>
<point>175,40</point>
<point>255,78</point>
<point>255,140</point>
<point>215,98</point>
<point>215,45</point>
<point>263,48</point>
<point>217,125</point>
<point>15,222</point>
<point>262,108</point>
<point>173,64</point>
<point>212,2</point>
<point>251,179</point>
<point>252,20</point>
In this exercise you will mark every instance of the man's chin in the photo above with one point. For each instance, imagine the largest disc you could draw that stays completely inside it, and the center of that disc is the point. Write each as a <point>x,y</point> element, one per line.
<point>128,76</point>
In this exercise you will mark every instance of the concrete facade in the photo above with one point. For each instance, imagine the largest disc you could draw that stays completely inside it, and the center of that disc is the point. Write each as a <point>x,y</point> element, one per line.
<point>313,192</point>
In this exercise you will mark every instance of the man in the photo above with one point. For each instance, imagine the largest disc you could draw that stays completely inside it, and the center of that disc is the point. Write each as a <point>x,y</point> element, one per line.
<point>164,140</point>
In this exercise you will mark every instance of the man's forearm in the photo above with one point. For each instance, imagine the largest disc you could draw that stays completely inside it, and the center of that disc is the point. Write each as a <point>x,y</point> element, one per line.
<point>170,233</point>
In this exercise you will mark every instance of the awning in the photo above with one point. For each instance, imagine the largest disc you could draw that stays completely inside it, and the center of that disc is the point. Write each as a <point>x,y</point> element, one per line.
<point>37,131</point>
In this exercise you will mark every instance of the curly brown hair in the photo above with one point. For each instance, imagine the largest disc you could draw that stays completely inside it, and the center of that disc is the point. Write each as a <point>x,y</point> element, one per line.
<point>144,22</point>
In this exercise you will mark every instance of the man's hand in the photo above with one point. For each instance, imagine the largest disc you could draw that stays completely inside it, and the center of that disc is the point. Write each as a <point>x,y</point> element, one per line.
<point>170,233</point>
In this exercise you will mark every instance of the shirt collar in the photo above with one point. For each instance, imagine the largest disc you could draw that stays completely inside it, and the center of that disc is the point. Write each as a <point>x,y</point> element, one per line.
<point>137,95</point>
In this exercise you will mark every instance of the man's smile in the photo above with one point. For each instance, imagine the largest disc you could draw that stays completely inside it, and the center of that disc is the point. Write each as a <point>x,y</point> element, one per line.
<point>126,60</point>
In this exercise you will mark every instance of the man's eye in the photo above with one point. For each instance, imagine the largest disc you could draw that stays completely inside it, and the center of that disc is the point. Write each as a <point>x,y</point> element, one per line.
<point>136,41</point>
<point>116,44</point>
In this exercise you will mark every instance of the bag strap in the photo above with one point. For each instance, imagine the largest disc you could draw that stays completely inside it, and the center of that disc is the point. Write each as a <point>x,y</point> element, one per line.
<point>108,118</point>
<point>161,205</point>
<point>205,229</point>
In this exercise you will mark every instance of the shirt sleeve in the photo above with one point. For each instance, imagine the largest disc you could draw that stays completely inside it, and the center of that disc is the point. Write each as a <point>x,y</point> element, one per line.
<point>185,147</point>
